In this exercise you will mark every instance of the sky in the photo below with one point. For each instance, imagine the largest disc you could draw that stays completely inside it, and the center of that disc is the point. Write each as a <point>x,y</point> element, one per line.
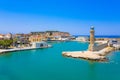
<point>73,16</point>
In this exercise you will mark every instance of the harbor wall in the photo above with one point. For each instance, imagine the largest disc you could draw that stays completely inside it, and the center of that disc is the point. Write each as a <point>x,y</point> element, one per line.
<point>100,47</point>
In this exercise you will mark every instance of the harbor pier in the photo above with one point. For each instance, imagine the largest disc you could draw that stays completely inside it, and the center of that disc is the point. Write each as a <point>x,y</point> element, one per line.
<point>94,52</point>
<point>90,55</point>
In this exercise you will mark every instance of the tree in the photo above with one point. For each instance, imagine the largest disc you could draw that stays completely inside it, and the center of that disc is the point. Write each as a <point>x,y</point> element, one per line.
<point>5,43</point>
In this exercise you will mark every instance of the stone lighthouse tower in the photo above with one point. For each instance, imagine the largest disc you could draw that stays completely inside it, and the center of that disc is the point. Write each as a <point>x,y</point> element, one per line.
<point>92,39</point>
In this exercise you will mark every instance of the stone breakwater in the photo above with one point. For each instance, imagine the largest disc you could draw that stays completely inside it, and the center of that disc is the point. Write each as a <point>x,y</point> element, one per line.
<point>89,55</point>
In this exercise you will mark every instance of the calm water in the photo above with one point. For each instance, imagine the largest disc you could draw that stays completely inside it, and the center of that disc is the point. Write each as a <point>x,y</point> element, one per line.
<point>49,64</point>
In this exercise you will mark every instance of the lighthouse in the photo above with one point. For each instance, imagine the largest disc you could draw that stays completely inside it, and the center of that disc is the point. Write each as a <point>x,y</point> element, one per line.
<point>92,39</point>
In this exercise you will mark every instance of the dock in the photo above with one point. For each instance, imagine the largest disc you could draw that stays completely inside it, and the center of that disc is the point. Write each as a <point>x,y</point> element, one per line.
<point>89,55</point>
<point>85,55</point>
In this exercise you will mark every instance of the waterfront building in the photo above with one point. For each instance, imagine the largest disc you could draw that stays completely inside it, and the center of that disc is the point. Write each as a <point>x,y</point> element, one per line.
<point>114,43</point>
<point>8,36</point>
<point>1,36</point>
<point>35,38</point>
<point>21,40</point>
<point>18,35</point>
<point>38,38</point>
<point>41,44</point>
<point>72,38</point>
<point>82,39</point>
<point>92,39</point>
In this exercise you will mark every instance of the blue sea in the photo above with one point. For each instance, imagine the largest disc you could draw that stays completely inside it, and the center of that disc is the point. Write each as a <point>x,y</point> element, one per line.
<point>49,64</point>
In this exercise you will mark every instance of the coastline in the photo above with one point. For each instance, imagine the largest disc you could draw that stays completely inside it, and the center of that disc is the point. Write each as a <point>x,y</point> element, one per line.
<point>19,49</point>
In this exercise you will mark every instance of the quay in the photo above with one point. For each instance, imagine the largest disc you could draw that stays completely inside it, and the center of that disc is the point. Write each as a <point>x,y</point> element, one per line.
<point>35,45</point>
<point>17,49</point>
<point>90,55</point>
<point>85,55</point>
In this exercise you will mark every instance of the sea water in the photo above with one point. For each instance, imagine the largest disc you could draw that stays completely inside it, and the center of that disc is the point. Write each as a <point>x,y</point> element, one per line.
<point>49,64</point>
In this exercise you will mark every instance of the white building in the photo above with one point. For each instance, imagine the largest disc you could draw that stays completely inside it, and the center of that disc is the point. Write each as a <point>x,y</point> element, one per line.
<point>8,36</point>
<point>1,36</point>
<point>82,39</point>
<point>40,45</point>
<point>114,43</point>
